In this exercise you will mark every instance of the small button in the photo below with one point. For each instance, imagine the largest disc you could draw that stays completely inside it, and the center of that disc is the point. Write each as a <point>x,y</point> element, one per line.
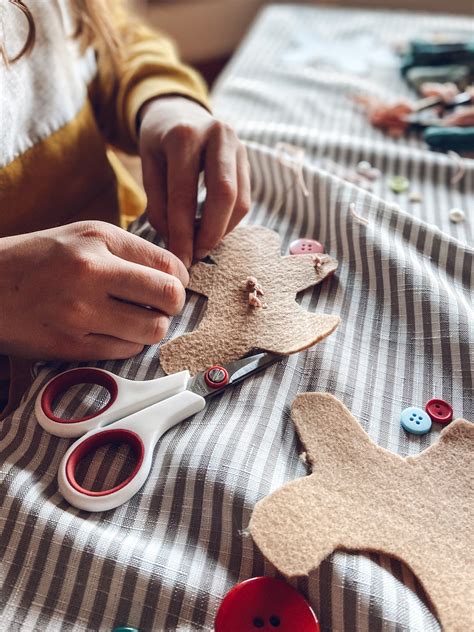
<point>305,247</point>
<point>216,376</point>
<point>267,604</point>
<point>457,215</point>
<point>363,167</point>
<point>415,420</point>
<point>439,411</point>
<point>398,184</point>
<point>125,629</point>
<point>415,197</point>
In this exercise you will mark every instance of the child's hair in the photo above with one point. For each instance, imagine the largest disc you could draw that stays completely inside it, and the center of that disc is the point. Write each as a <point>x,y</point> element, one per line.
<point>93,28</point>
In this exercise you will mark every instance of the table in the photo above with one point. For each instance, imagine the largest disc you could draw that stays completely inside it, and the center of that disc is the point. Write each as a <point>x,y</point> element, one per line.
<point>165,560</point>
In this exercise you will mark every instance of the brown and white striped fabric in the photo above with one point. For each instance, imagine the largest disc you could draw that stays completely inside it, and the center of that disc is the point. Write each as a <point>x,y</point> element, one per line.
<point>403,290</point>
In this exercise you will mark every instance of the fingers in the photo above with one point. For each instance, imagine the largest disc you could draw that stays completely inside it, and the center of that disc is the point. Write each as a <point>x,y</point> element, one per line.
<point>136,250</point>
<point>220,173</point>
<point>100,347</point>
<point>131,323</point>
<point>183,174</point>
<point>228,198</point>
<point>154,181</point>
<point>244,194</point>
<point>137,284</point>
<point>172,157</point>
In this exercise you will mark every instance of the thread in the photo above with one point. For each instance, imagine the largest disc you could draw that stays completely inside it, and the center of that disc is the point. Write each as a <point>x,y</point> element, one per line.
<point>292,157</point>
<point>358,218</point>
<point>255,291</point>
<point>461,172</point>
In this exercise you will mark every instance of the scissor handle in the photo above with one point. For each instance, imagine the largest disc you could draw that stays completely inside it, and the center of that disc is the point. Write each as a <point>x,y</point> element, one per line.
<point>141,431</point>
<point>83,498</point>
<point>126,398</point>
<point>64,381</point>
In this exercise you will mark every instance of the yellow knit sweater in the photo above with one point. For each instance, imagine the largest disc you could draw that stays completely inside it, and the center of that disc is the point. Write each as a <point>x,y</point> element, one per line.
<point>60,110</point>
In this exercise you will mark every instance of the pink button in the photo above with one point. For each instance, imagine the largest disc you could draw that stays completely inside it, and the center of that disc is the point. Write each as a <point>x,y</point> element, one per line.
<point>439,411</point>
<point>305,247</point>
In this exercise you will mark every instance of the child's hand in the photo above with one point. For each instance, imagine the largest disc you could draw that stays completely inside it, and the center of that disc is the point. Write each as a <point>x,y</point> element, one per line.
<point>178,139</point>
<point>60,287</point>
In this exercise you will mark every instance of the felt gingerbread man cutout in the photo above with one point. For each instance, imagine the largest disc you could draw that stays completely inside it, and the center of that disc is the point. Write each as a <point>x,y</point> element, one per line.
<point>361,497</point>
<point>231,326</point>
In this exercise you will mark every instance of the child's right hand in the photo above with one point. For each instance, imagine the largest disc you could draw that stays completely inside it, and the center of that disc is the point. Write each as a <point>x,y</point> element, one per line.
<point>62,292</point>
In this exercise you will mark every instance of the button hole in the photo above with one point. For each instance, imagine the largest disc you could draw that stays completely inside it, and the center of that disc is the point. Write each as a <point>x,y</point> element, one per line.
<point>418,422</point>
<point>275,621</point>
<point>258,622</point>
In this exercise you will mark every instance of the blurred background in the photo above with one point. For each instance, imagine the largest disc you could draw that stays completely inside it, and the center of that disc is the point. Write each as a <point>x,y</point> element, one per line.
<point>208,31</point>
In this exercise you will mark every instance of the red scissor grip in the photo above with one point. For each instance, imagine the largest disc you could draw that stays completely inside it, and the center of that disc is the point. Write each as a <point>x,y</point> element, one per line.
<point>60,384</point>
<point>97,440</point>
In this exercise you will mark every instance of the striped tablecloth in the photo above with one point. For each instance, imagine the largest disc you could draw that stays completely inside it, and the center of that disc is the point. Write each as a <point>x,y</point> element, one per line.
<point>164,560</point>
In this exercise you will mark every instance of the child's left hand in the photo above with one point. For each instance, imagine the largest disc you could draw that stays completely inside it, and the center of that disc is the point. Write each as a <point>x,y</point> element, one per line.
<point>178,139</point>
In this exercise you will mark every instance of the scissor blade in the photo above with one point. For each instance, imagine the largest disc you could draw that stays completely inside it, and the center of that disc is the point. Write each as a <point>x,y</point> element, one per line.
<point>238,371</point>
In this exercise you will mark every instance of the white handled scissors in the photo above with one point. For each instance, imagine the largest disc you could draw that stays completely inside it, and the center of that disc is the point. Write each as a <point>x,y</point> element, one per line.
<point>137,413</point>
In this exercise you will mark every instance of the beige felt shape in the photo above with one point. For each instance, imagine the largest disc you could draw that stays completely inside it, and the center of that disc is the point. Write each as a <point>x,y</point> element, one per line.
<point>361,497</point>
<point>231,327</point>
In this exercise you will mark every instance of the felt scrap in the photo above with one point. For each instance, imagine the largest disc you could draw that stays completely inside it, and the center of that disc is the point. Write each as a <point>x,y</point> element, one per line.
<point>231,327</point>
<point>361,497</point>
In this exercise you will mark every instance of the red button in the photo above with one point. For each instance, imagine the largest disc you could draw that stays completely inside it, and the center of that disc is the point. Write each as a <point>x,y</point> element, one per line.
<point>265,604</point>
<point>439,411</point>
<point>305,247</point>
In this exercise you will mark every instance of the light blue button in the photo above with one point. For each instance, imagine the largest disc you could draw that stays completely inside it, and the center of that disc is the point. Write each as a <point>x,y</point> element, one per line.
<point>415,420</point>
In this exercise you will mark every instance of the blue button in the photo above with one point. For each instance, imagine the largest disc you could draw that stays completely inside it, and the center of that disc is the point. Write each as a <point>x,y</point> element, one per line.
<point>415,420</point>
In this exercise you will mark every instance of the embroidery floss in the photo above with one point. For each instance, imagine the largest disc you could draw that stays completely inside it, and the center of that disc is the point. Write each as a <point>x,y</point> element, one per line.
<point>255,290</point>
<point>254,286</point>
<point>390,117</point>
<point>254,301</point>
<point>318,261</point>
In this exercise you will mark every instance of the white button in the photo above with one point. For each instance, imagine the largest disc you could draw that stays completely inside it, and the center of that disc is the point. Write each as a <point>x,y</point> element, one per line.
<point>457,215</point>
<point>364,166</point>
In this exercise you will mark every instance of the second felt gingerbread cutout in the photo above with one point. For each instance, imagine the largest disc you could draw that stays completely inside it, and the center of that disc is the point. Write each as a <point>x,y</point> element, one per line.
<point>239,317</point>
<point>360,497</point>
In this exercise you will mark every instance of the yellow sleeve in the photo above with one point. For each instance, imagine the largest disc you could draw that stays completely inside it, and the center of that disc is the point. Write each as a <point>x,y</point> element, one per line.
<point>150,68</point>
